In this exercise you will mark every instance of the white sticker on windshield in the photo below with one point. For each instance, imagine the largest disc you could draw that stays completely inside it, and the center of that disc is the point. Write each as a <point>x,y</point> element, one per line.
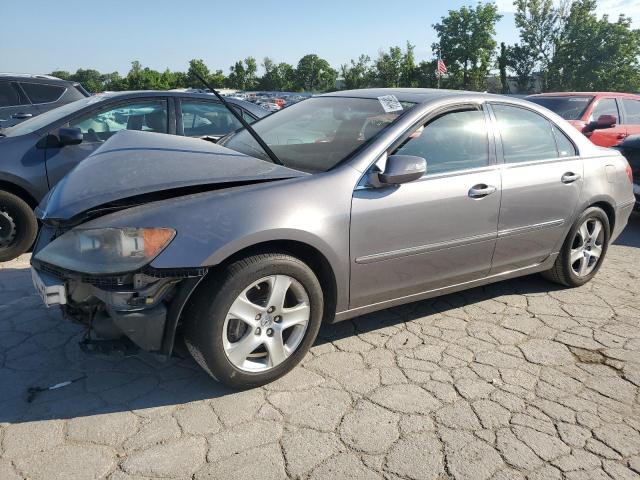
<point>390,103</point>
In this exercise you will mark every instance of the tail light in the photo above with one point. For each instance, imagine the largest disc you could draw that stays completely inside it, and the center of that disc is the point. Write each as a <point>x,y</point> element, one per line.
<point>629,172</point>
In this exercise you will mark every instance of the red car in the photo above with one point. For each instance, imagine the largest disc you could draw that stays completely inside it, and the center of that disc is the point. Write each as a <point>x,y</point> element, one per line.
<point>607,118</point>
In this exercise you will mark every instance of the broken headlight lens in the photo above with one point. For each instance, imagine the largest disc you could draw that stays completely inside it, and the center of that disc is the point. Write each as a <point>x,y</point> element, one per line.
<point>106,250</point>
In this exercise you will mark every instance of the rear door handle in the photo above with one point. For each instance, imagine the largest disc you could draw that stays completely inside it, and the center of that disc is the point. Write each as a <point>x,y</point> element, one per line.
<point>570,177</point>
<point>622,135</point>
<point>22,115</point>
<point>481,190</point>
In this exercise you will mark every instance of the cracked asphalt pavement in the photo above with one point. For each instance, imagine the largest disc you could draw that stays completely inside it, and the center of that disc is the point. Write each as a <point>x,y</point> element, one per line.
<point>520,379</point>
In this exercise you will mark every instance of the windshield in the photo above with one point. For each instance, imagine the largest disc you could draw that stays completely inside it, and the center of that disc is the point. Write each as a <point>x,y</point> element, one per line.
<point>46,118</point>
<point>569,107</point>
<point>318,133</point>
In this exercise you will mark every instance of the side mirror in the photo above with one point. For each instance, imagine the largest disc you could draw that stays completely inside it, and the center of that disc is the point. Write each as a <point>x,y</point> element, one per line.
<point>603,122</point>
<point>402,169</point>
<point>70,136</point>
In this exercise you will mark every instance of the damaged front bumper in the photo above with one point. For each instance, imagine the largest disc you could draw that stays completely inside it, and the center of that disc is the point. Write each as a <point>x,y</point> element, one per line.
<point>143,307</point>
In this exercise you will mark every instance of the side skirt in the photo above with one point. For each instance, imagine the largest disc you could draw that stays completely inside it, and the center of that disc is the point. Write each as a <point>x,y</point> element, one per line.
<point>356,312</point>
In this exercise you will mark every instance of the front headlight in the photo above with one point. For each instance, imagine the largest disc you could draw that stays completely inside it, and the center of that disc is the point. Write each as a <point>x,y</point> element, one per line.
<point>106,250</point>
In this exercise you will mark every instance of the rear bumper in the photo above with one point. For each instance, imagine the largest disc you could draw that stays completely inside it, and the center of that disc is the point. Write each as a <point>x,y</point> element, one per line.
<point>623,212</point>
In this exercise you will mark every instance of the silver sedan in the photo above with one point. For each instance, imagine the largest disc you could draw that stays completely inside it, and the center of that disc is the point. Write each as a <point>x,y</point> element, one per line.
<point>343,204</point>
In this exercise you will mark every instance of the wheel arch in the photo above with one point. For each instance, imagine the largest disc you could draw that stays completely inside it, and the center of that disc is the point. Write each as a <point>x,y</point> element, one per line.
<point>608,209</point>
<point>309,254</point>
<point>313,257</point>
<point>19,191</point>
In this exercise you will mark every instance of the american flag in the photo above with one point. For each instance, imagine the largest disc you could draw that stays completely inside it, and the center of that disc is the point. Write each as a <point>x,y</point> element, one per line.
<point>442,68</point>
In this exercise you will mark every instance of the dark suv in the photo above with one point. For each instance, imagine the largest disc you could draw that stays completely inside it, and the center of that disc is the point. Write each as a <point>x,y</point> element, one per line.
<point>24,96</point>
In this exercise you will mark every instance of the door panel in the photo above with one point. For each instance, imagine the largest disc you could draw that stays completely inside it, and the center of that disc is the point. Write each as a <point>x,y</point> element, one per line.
<point>631,115</point>
<point>421,236</point>
<point>536,206</point>
<point>541,184</point>
<point>607,137</point>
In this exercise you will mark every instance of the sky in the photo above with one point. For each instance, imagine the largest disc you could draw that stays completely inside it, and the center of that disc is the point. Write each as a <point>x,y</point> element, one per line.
<point>40,36</point>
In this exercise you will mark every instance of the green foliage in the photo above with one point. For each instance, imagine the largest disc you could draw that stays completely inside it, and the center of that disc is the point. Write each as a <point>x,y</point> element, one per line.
<point>566,47</point>
<point>503,63</point>
<point>314,74</point>
<point>358,73</point>
<point>521,61</point>
<point>467,45</point>
<point>596,54</point>
<point>277,77</point>
<point>540,24</point>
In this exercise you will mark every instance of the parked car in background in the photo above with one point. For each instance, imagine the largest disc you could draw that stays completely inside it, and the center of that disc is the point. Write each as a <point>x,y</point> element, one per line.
<point>630,148</point>
<point>37,153</point>
<point>246,250</point>
<point>270,106</point>
<point>23,96</point>
<point>606,118</point>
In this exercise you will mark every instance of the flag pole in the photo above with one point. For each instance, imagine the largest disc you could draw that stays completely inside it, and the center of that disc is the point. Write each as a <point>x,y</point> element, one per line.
<point>438,68</point>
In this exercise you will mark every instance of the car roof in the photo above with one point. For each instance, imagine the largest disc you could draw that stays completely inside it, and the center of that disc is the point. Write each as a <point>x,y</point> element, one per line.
<point>416,95</point>
<point>21,77</point>
<point>250,107</point>
<point>584,94</point>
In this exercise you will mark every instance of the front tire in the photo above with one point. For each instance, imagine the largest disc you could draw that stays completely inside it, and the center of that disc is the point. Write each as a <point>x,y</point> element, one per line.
<point>18,226</point>
<point>583,250</point>
<point>255,320</point>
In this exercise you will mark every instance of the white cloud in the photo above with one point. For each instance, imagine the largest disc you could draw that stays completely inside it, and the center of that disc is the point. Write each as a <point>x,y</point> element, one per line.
<point>613,8</point>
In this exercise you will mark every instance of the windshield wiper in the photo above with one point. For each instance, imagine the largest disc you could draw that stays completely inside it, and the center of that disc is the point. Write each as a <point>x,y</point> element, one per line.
<point>244,123</point>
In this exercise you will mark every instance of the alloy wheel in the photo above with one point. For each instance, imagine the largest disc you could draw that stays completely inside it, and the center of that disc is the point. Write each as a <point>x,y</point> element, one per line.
<point>8,230</point>
<point>266,323</point>
<point>586,249</point>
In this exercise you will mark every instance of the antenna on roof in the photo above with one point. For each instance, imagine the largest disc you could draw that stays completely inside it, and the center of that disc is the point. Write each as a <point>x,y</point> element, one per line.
<point>244,123</point>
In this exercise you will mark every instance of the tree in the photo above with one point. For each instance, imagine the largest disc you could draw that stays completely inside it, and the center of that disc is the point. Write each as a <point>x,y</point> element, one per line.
<point>503,63</point>
<point>358,73</point>
<point>425,74</point>
<point>315,74</point>
<point>197,67</point>
<point>63,74</point>
<point>251,70</point>
<point>540,24</point>
<point>466,43</point>
<point>90,79</point>
<point>243,74</point>
<point>278,77</point>
<point>521,62</point>
<point>408,67</point>
<point>388,67</point>
<point>596,54</point>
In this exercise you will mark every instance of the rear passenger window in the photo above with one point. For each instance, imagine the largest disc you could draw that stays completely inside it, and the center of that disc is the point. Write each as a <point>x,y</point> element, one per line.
<point>40,93</point>
<point>9,96</point>
<point>605,106</point>
<point>565,146</point>
<point>632,111</point>
<point>454,141</point>
<point>207,118</point>
<point>526,136</point>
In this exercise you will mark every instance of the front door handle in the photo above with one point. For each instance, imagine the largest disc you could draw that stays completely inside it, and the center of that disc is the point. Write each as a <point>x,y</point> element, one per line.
<point>21,115</point>
<point>570,177</point>
<point>622,135</point>
<point>481,190</point>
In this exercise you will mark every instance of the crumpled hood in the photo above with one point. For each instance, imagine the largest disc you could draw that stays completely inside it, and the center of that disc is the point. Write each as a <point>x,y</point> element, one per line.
<point>133,163</point>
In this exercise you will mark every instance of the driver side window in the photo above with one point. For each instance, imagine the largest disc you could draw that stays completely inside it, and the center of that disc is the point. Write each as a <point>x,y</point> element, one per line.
<point>148,116</point>
<point>451,142</point>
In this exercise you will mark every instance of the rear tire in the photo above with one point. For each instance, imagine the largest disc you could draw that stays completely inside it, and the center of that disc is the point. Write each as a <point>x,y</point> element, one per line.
<point>281,331</point>
<point>18,226</point>
<point>583,250</point>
